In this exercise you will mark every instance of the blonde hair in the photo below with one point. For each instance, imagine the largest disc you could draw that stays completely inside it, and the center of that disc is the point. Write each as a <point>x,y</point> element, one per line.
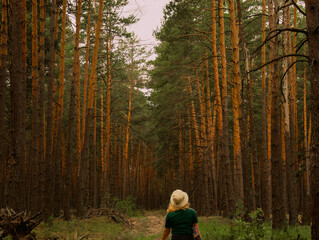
<point>172,208</point>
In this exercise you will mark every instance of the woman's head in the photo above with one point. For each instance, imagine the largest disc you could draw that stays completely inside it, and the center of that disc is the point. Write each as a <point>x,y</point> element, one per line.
<point>179,200</point>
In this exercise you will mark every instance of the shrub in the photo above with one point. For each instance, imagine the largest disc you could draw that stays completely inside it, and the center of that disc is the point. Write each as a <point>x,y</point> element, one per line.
<point>127,206</point>
<point>253,230</point>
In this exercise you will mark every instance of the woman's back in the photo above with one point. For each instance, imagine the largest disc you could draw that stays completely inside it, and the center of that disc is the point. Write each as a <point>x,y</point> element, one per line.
<point>181,221</point>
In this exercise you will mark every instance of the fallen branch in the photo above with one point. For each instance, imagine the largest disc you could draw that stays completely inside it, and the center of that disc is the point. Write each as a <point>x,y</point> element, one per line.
<point>18,225</point>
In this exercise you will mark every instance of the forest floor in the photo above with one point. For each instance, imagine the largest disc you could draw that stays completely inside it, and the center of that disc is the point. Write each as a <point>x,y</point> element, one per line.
<point>149,225</point>
<point>146,225</point>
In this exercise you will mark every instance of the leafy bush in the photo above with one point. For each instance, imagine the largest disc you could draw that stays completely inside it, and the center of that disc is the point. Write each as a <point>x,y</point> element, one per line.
<point>252,230</point>
<point>128,206</point>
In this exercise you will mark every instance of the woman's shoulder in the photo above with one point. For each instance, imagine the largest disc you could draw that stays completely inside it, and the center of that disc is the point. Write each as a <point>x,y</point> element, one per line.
<point>192,211</point>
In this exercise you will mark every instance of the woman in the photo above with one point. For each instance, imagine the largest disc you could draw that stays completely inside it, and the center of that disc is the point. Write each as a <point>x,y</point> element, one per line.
<point>180,218</point>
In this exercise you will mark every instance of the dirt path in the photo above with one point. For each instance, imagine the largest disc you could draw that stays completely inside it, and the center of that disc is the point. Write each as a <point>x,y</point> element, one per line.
<point>148,225</point>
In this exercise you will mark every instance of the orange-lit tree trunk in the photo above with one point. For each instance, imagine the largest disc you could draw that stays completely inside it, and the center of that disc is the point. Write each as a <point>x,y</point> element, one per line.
<point>196,165</point>
<point>89,115</point>
<point>293,99</point>
<point>210,140</point>
<point>264,166</point>
<point>237,103</point>
<point>269,105</point>
<point>86,73</point>
<point>225,136</point>
<point>244,133</point>
<point>276,160</point>
<point>85,92</point>
<point>57,142</point>
<point>127,130</point>
<point>224,160</point>
<point>312,11</point>
<point>72,104</point>
<point>3,97</point>
<point>33,157</point>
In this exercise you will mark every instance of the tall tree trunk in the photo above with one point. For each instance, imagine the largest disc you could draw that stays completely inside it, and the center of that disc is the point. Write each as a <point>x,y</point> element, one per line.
<point>89,116</point>
<point>265,173</point>
<point>49,114</point>
<point>203,138</point>
<point>127,132</point>
<point>268,166</point>
<point>41,117</point>
<point>237,104</point>
<point>225,136</point>
<point>276,161</point>
<point>211,140</point>
<point>93,161</point>
<point>111,164</point>
<point>3,96</point>
<point>190,146</point>
<point>292,155</point>
<point>85,94</point>
<point>86,73</point>
<point>33,157</point>
<point>306,211</point>
<point>312,11</point>
<point>197,141</point>
<point>292,160</point>
<point>16,165</point>
<point>69,155</point>
<point>57,203</point>
<point>245,155</point>
<point>286,147</point>
<point>225,162</point>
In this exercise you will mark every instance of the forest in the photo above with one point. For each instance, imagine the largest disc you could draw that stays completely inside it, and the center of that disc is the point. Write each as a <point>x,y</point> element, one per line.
<point>228,110</point>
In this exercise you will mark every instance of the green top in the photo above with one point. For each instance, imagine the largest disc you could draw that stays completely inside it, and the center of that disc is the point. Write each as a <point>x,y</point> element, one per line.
<point>181,221</point>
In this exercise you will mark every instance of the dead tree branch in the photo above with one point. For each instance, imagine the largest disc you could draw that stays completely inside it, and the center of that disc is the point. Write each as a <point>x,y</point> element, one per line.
<point>279,58</point>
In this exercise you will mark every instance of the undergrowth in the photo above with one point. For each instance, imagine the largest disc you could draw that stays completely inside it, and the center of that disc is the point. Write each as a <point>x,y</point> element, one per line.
<point>212,228</point>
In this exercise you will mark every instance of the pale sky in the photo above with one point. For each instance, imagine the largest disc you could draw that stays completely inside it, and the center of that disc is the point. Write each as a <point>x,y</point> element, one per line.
<point>150,13</point>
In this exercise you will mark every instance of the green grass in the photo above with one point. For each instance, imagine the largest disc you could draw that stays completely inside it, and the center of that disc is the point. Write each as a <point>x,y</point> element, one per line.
<point>212,228</point>
<point>216,228</point>
<point>97,228</point>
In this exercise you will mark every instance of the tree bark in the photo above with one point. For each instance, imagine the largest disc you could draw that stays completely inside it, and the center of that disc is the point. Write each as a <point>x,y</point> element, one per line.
<point>16,162</point>
<point>225,162</point>
<point>265,173</point>
<point>33,155</point>
<point>3,96</point>
<point>89,116</point>
<point>245,133</point>
<point>237,103</point>
<point>210,142</point>
<point>312,11</point>
<point>41,117</point>
<point>49,114</point>
<point>69,155</point>
<point>111,164</point>
<point>276,160</point>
